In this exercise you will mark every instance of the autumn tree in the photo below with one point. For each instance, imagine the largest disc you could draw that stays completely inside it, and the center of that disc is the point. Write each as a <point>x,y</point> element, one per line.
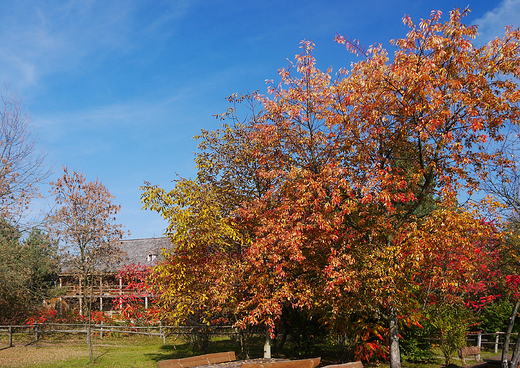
<point>137,302</point>
<point>355,172</point>
<point>83,221</point>
<point>361,157</point>
<point>202,275</point>
<point>199,210</point>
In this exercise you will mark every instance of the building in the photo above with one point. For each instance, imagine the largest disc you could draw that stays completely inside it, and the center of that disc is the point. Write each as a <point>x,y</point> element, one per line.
<point>108,284</point>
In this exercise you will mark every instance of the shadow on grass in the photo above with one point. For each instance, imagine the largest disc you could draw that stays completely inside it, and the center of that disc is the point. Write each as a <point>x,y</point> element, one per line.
<point>179,351</point>
<point>256,350</point>
<point>167,352</point>
<point>101,355</point>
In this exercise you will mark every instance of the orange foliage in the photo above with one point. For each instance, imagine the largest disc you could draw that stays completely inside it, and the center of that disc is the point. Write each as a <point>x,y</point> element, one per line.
<point>359,179</point>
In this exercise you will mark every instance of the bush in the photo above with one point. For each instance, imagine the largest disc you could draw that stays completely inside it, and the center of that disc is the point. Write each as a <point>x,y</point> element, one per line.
<point>416,344</point>
<point>451,324</point>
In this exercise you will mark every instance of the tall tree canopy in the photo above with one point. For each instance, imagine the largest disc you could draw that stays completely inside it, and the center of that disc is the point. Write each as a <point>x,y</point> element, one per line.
<point>84,222</point>
<point>358,174</point>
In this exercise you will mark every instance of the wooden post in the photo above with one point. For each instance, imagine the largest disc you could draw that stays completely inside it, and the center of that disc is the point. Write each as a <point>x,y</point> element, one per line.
<point>479,343</point>
<point>267,345</point>
<point>11,336</point>
<point>80,299</point>
<point>120,291</point>
<point>36,330</point>
<point>100,293</point>
<point>497,336</point>
<point>162,333</point>
<point>60,310</point>
<point>101,332</point>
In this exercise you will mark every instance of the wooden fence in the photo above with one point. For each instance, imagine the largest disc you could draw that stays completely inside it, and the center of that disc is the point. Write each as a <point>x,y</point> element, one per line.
<point>479,339</point>
<point>494,339</point>
<point>39,329</point>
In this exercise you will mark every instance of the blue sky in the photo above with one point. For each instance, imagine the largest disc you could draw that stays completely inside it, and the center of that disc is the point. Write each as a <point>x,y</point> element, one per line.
<point>117,89</point>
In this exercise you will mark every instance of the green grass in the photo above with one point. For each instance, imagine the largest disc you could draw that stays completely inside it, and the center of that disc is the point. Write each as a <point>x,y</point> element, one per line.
<point>56,351</point>
<point>118,350</point>
<point>133,351</point>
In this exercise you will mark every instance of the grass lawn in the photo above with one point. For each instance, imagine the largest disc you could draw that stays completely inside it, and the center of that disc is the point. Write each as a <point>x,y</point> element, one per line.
<point>122,351</point>
<point>58,351</point>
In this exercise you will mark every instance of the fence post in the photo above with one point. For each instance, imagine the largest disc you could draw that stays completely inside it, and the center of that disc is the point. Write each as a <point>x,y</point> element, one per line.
<point>497,336</point>
<point>36,330</point>
<point>479,343</point>
<point>163,335</point>
<point>101,332</point>
<point>10,336</point>
<point>267,345</point>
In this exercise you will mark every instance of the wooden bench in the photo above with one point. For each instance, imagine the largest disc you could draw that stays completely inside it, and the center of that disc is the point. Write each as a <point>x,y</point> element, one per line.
<point>194,361</point>
<point>357,364</point>
<point>302,363</point>
<point>469,350</point>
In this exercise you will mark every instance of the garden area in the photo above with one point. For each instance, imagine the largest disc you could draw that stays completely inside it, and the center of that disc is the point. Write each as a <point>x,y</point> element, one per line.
<point>337,216</point>
<point>128,345</point>
<point>66,350</point>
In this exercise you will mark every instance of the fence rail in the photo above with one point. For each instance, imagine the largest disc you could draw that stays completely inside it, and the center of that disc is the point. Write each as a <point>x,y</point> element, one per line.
<point>38,329</point>
<point>479,339</point>
<point>482,338</point>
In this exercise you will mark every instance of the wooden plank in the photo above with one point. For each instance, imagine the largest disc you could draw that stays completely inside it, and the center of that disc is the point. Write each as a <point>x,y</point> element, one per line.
<point>357,364</point>
<point>198,360</point>
<point>302,363</point>
<point>215,358</point>
<point>172,363</point>
<point>193,361</point>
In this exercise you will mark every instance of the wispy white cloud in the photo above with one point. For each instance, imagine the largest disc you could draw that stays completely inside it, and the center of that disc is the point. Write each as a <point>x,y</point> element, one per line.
<point>43,38</point>
<point>56,128</point>
<point>492,24</point>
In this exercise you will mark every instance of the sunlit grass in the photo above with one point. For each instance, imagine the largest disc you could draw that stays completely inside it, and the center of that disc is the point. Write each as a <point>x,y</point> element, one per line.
<point>124,351</point>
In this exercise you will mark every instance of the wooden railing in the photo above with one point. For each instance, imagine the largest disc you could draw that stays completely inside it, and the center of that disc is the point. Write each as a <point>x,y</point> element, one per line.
<point>39,329</point>
<point>74,291</point>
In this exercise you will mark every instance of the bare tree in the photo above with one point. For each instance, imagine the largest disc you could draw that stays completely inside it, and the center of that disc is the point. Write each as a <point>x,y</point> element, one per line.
<point>22,165</point>
<point>84,223</point>
<point>503,184</point>
<point>503,181</point>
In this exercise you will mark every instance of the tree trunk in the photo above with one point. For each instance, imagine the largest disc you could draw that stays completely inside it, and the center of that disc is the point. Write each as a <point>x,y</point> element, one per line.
<point>281,342</point>
<point>244,344</point>
<point>89,341</point>
<point>516,353</point>
<point>89,316</point>
<point>395,355</point>
<point>507,337</point>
